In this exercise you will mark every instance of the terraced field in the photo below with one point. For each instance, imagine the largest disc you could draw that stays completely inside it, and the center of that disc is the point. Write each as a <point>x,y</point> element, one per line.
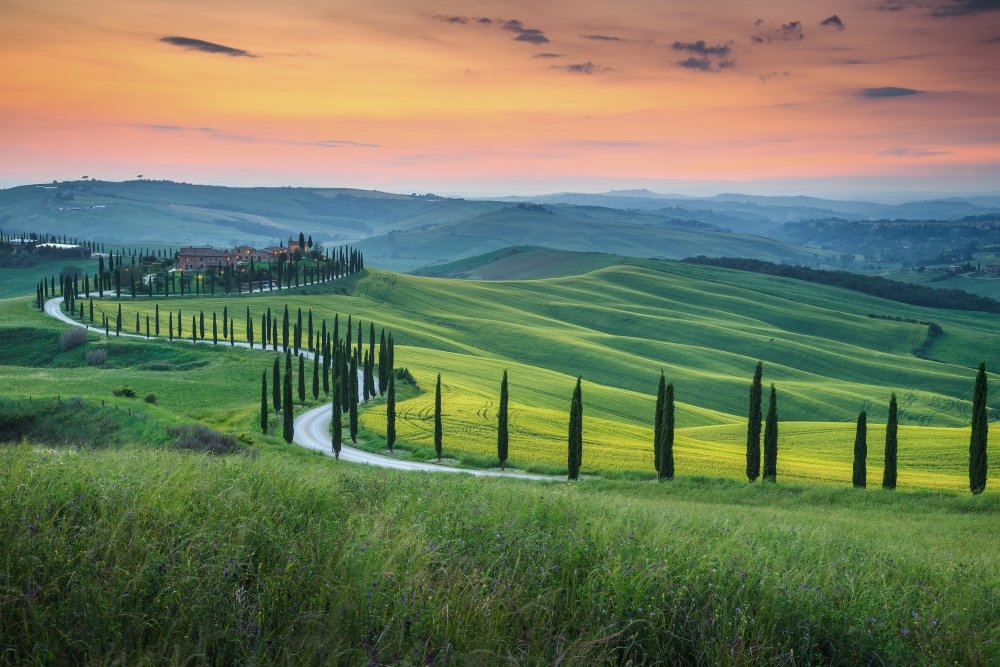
<point>618,326</point>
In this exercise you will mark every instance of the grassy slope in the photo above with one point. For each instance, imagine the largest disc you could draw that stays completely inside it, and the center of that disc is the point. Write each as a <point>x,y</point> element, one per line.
<point>290,558</point>
<point>705,327</point>
<point>522,263</point>
<point>569,229</point>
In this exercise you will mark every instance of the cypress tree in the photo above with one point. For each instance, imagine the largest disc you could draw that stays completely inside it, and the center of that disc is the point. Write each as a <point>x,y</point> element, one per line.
<point>502,435</point>
<point>382,363</point>
<point>302,380</point>
<point>249,332</point>
<point>263,402</point>
<point>860,477</point>
<point>147,321</point>
<point>315,387</point>
<point>437,417</point>
<point>977,440</point>
<point>336,421</point>
<point>364,378</point>
<point>274,336</point>
<point>326,365</point>
<point>284,330</point>
<point>201,324</point>
<point>276,386</point>
<point>194,329</point>
<point>666,468</point>
<point>215,330</point>
<point>891,427</point>
<point>353,410</point>
<point>390,413</point>
<point>288,421</point>
<point>298,331</point>
<point>137,322</point>
<point>575,440</point>
<point>180,327</point>
<point>771,439</point>
<point>170,324</point>
<point>118,322</point>
<point>661,397</point>
<point>225,320</point>
<point>753,425</point>
<point>311,347</point>
<point>156,323</point>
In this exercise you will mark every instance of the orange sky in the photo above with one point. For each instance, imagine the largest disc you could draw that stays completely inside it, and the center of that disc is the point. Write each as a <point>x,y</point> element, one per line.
<point>494,96</point>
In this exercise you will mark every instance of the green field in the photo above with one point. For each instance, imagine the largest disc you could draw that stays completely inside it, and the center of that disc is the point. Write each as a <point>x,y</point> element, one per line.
<point>618,326</point>
<point>120,548</point>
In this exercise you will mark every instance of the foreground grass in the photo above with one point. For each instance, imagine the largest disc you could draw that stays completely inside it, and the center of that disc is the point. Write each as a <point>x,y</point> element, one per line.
<point>137,556</point>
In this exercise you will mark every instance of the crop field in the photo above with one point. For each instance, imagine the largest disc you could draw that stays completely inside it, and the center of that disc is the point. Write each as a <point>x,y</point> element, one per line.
<point>618,327</point>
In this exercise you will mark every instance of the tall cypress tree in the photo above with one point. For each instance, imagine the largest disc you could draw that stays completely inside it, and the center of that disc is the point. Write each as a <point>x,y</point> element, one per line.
<point>263,402</point>
<point>215,330</point>
<point>502,434</point>
<point>860,477</point>
<point>977,440</point>
<point>276,386</point>
<point>284,330</point>
<point>666,468</point>
<point>390,413</point>
<point>753,424</point>
<point>771,439</point>
<point>891,427</point>
<point>437,417</point>
<point>383,378</point>
<point>661,397</point>
<point>315,387</point>
<point>336,421</point>
<point>353,414</point>
<point>288,420</point>
<point>302,380</point>
<point>575,439</point>
<point>201,324</point>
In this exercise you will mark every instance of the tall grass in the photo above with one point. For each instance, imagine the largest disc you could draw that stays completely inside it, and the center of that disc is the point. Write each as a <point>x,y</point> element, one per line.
<point>133,556</point>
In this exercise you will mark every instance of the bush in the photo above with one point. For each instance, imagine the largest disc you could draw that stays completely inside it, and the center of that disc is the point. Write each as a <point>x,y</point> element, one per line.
<point>151,398</point>
<point>124,392</point>
<point>72,338</point>
<point>403,375</point>
<point>96,356</point>
<point>203,439</point>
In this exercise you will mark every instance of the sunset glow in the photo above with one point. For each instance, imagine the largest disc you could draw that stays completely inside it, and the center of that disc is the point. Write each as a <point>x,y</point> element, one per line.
<point>506,96</point>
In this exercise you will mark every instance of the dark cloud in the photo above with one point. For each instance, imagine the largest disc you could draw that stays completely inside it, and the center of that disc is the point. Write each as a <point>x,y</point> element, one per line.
<point>888,91</point>
<point>701,48</point>
<point>484,21</point>
<point>966,7</point>
<point>602,38</point>
<point>942,8</point>
<point>764,78</point>
<point>530,35</point>
<point>455,20</point>
<point>547,55</point>
<point>993,40</point>
<point>833,22</point>
<point>702,64</point>
<point>582,68</point>
<point>206,47</point>
<point>787,32</point>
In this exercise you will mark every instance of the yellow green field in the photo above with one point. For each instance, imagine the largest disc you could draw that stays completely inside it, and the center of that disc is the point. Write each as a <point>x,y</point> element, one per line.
<point>618,327</point>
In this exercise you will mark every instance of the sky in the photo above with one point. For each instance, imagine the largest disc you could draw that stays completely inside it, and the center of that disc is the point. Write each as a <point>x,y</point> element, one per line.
<point>834,97</point>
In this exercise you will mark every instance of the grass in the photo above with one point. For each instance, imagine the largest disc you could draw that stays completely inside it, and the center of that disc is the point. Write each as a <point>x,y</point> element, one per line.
<point>295,559</point>
<point>618,326</point>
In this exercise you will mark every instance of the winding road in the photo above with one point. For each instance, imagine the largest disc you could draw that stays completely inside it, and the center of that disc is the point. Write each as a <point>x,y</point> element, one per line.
<point>312,428</point>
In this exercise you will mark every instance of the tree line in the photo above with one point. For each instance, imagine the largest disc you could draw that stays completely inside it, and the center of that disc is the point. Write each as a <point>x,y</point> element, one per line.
<point>151,277</point>
<point>757,466</point>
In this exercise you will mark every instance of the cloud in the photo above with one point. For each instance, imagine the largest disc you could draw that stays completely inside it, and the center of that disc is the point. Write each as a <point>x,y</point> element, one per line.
<point>888,91</point>
<point>701,48</point>
<point>206,47</point>
<point>913,152</point>
<point>787,32</point>
<point>530,35</point>
<point>581,68</point>
<point>602,38</point>
<point>943,8</point>
<point>454,20</point>
<point>707,58</point>
<point>245,138</point>
<point>764,78</point>
<point>834,22</point>
<point>993,40</point>
<point>547,55</point>
<point>966,7</point>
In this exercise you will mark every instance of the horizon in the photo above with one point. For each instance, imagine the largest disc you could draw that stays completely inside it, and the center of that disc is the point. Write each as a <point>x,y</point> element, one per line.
<point>833,100</point>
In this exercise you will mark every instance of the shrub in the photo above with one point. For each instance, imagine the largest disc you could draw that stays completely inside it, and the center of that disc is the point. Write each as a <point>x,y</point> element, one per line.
<point>404,375</point>
<point>150,398</point>
<point>203,439</point>
<point>72,338</point>
<point>124,392</point>
<point>96,356</point>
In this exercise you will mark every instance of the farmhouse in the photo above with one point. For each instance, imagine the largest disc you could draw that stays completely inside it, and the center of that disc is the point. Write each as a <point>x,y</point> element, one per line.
<point>201,258</point>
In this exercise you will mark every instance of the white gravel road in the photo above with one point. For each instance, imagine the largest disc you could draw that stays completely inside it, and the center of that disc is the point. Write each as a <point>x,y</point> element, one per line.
<point>312,428</point>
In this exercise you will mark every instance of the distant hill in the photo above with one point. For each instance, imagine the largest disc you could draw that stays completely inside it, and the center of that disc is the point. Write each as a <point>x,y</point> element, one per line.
<point>522,263</point>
